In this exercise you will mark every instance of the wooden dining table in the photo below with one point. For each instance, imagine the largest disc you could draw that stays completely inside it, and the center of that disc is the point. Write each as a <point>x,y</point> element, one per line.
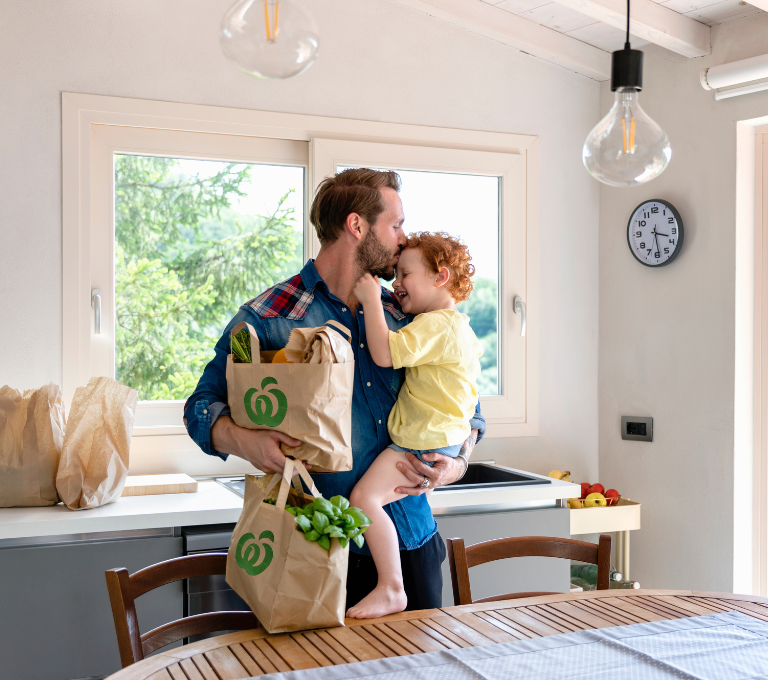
<point>255,652</point>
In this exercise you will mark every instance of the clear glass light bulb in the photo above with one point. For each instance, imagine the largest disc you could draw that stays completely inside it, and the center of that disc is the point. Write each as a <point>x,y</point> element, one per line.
<point>626,147</point>
<point>272,39</point>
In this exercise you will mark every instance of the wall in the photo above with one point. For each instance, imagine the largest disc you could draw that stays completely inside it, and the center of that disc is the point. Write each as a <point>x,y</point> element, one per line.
<point>667,336</point>
<point>379,61</point>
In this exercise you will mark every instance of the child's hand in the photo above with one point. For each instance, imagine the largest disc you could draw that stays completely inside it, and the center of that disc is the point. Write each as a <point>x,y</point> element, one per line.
<point>368,290</point>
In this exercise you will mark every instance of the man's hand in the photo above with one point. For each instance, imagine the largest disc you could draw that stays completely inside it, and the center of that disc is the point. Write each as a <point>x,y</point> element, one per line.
<point>445,470</point>
<point>367,290</point>
<point>261,448</point>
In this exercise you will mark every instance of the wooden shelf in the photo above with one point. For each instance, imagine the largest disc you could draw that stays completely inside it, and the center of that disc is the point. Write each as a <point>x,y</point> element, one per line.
<point>625,516</point>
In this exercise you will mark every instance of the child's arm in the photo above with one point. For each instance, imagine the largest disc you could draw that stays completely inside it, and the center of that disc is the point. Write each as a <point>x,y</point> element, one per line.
<point>368,291</point>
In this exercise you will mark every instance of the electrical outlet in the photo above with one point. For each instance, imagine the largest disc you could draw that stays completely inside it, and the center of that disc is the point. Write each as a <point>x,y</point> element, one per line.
<point>637,428</point>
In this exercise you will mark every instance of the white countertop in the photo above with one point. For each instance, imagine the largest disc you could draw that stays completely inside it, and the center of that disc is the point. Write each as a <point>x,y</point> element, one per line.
<point>213,504</point>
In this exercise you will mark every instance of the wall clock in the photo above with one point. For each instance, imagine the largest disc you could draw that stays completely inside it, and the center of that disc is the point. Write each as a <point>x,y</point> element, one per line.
<point>655,233</point>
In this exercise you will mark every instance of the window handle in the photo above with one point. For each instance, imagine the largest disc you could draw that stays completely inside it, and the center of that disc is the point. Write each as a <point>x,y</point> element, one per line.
<point>96,304</point>
<point>519,307</point>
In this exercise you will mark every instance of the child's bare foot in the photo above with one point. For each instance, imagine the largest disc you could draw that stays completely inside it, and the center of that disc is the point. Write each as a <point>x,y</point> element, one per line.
<point>381,601</point>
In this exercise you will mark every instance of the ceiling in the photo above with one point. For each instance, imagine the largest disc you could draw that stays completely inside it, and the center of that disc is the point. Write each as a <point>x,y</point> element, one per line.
<point>586,29</point>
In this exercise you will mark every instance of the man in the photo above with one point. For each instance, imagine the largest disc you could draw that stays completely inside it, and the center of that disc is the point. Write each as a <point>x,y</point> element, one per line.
<point>359,218</point>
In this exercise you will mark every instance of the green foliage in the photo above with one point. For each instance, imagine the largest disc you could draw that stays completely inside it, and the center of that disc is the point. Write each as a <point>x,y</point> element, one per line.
<point>481,308</point>
<point>184,263</point>
<point>322,520</point>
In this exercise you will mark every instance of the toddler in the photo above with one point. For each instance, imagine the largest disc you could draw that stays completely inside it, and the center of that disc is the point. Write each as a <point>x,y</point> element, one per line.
<point>440,353</point>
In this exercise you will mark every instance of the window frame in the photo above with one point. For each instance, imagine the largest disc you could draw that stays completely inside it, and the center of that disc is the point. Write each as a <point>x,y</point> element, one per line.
<point>84,116</point>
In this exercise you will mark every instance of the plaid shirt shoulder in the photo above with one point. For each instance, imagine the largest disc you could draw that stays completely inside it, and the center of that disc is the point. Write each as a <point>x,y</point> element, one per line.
<point>288,299</point>
<point>390,303</point>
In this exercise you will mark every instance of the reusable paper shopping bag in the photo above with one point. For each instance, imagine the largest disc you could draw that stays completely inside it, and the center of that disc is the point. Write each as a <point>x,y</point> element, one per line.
<point>310,399</point>
<point>290,583</point>
<point>31,435</point>
<point>94,459</point>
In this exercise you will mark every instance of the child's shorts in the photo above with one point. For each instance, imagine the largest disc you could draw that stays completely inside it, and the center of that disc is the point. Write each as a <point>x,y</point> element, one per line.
<point>450,451</point>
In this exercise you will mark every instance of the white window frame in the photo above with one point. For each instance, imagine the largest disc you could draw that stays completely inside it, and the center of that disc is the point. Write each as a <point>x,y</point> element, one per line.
<point>84,121</point>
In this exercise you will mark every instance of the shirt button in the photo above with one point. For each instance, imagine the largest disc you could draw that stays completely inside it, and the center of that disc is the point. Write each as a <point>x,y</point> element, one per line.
<point>343,309</point>
<point>369,384</point>
<point>379,422</point>
<point>361,311</point>
<point>205,411</point>
<point>362,345</point>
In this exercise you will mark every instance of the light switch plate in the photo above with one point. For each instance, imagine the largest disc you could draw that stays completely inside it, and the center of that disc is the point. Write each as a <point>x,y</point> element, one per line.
<point>637,428</point>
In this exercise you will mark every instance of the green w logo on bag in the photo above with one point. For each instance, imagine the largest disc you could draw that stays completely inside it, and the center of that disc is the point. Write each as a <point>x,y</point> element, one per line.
<point>247,554</point>
<point>263,412</point>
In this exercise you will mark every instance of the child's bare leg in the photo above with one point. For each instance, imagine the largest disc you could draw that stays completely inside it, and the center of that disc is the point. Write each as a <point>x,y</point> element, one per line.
<point>375,490</point>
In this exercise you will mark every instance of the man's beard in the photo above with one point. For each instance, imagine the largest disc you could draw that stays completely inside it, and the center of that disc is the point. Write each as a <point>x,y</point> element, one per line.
<point>372,256</point>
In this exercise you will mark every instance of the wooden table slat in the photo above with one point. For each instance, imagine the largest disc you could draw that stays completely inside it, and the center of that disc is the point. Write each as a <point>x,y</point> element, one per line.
<point>415,636</point>
<point>176,673</point>
<point>374,642</point>
<point>245,659</point>
<point>531,622</point>
<point>349,638</point>
<point>291,652</point>
<point>204,667</point>
<point>190,670</point>
<point>225,664</point>
<point>258,656</point>
<point>481,626</point>
<point>253,653</point>
<point>399,640</point>
<point>309,648</point>
<point>436,625</point>
<point>274,658</point>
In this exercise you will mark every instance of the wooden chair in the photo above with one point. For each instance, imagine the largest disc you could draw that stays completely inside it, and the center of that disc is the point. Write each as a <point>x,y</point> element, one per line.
<point>124,589</point>
<point>461,559</point>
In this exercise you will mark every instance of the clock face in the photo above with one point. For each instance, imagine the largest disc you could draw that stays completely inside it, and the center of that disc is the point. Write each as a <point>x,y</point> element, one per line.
<point>655,233</point>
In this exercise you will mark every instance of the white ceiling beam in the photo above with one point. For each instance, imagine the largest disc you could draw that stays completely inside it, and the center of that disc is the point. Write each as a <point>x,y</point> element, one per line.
<point>651,21</point>
<point>525,35</point>
<point>760,4</point>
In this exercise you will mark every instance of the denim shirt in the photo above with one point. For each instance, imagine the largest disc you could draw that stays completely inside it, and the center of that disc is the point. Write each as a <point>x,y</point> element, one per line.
<point>305,301</point>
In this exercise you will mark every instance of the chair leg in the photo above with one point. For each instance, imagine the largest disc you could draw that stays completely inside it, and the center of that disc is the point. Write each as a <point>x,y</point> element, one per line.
<point>604,562</point>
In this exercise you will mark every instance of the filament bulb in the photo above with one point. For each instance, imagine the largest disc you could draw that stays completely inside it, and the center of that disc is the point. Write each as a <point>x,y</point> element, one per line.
<point>626,147</point>
<point>272,39</point>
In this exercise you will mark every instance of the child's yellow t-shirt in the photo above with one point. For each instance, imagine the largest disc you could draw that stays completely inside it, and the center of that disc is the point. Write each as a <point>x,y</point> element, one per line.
<point>441,355</point>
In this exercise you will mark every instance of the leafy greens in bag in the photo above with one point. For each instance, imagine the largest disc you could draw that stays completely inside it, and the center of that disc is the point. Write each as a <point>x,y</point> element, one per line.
<point>321,520</point>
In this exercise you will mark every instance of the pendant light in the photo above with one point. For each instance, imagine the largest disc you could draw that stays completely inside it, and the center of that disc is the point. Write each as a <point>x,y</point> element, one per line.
<point>271,39</point>
<point>626,147</point>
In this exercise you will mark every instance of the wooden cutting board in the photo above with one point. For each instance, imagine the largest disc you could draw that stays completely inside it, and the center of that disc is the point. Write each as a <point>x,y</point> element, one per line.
<point>153,485</point>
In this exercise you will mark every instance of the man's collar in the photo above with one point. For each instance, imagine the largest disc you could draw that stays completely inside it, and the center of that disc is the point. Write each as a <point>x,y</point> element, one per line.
<point>310,276</point>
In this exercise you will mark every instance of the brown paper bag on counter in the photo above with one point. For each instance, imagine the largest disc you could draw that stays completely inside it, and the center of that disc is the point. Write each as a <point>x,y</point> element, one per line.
<point>311,400</point>
<point>94,459</point>
<point>31,435</point>
<point>290,583</point>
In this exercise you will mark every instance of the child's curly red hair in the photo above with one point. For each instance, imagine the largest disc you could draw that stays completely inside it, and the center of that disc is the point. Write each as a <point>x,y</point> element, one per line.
<point>443,250</point>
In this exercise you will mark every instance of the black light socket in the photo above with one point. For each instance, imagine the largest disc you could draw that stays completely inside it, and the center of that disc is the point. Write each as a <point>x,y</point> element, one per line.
<point>627,69</point>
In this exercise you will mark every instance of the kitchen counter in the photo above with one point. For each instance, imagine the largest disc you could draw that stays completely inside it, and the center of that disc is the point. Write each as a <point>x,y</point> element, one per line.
<point>213,504</point>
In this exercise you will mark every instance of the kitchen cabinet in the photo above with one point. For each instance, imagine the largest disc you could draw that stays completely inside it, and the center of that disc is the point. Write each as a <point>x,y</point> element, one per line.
<point>55,616</point>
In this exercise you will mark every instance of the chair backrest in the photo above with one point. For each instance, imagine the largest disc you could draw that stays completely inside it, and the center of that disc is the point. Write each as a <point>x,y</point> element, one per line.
<point>461,558</point>
<point>125,588</point>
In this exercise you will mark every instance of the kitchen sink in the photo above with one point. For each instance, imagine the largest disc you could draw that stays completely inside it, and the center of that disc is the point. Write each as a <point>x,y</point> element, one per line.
<point>485,476</point>
<point>479,476</point>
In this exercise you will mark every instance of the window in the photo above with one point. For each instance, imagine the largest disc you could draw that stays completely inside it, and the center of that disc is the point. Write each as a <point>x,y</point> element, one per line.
<point>162,201</point>
<point>481,197</point>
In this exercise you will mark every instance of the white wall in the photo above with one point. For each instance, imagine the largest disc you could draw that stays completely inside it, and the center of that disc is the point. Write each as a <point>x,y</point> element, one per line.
<point>667,344</point>
<point>379,61</point>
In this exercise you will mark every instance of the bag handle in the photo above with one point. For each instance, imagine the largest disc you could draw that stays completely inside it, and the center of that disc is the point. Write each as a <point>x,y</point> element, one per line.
<point>341,328</point>
<point>254,338</point>
<point>285,486</point>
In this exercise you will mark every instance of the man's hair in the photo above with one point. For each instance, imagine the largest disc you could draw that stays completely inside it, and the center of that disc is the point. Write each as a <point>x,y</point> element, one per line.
<point>357,190</point>
<point>443,250</point>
